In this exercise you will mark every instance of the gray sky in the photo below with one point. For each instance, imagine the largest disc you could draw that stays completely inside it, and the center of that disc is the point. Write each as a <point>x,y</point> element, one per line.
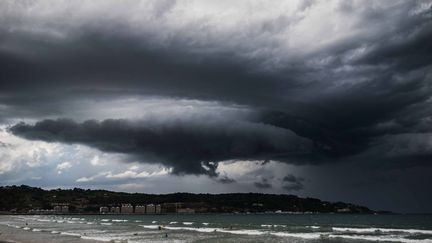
<point>327,99</point>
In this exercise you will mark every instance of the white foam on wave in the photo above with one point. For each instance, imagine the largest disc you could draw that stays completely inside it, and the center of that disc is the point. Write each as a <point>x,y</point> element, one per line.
<point>188,223</point>
<point>44,220</point>
<point>313,227</point>
<point>250,232</point>
<point>308,236</point>
<point>205,223</point>
<point>97,238</point>
<point>154,222</point>
<point>203,230</point>
<point>173,222</point>
<point>387,238</point>
<point>105,220</point>
<point>138,221</point>
<point>26,228</point>
<point>385,230</point>
<point>106,223</point>
<point>55,232</point>
<point>119,220</point>
<point>242,232</point>
<point>209,230</point>
<point>272,225</point>
<point>59,221</point>
<point>94,231</point>
<point>70,234</point>
<point>152,226</point>
<point>36,230</point>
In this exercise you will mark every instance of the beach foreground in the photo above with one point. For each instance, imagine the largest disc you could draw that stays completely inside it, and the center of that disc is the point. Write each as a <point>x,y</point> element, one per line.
<point>216,228</point>
<point>19,235</point>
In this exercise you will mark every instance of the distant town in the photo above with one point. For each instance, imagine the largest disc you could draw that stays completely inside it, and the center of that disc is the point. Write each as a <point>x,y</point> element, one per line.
<point>30,200</point>
<point>127,208</point>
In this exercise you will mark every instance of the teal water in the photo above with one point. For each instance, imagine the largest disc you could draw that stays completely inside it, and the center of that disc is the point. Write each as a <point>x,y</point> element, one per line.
<point>232,228</point>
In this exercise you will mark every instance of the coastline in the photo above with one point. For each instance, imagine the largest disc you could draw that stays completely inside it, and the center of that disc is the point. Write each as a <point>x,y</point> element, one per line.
<point>13,235</point>
<point>216,228</point>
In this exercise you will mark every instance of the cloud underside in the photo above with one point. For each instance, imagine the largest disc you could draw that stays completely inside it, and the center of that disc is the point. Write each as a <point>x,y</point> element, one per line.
<point>187,147</point>
<point>360,94</point>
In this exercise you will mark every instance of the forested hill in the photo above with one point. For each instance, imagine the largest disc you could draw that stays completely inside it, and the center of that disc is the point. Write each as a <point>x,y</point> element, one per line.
<point>23,198</point>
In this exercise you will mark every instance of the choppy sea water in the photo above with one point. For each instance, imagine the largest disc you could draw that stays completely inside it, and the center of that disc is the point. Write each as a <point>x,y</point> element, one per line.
<point>231,228</point>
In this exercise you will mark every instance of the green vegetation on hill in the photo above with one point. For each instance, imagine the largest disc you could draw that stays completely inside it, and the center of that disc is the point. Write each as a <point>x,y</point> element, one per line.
<point>23,198</point>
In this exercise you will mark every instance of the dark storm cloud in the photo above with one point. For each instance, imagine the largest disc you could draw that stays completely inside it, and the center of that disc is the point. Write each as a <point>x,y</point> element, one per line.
<point>359,117</point>
<point>102,65</point>
<point>187,146</point>
<point>263,184</point>
<point>348,97</point>
<point>292,183</point>
<point>226,180</point>
<point>116,58</point>
<point>293,187</point>
<point>292,179</point>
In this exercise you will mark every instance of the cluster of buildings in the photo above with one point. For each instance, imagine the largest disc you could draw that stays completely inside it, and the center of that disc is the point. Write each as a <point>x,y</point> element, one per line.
<point>130,209</point>
<point>41,211</point>
<point>147,209</point>
<point>58,208</point>
<point>125,208</point>
<point>61,208</point>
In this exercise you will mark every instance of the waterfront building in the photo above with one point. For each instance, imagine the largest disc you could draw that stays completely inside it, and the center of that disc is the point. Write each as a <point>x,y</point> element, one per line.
<point>140,209</point>
<point>126,208</point>
<point>115,210</point>
<point>158,209</point>
<point>150,209</point>
<point>103,210</point>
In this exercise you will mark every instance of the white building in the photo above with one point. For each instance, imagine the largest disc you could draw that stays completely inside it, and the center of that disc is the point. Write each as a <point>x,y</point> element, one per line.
<point>57,209</point>
<point>158,209</point>
<point>140,209</point>
<point>126,208</point>
<point>61,208</point>
<point>150,209</point>
<point>115,210</point>
<point>103,210</point>
<point>65,209</point>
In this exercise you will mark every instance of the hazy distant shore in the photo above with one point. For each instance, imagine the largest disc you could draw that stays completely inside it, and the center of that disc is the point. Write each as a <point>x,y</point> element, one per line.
<point>80,201</point>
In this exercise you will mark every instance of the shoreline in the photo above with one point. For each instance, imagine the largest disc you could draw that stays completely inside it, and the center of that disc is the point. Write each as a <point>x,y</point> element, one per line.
<point>13,235</point>
<point>223,213</point>
<point>229,228</point>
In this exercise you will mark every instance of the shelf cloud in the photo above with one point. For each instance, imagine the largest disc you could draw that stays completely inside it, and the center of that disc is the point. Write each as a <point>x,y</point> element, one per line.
<point>189,84</point>
<point>187,147</point>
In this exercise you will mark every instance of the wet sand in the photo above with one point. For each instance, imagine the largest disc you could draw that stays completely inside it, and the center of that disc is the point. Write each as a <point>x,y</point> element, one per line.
<point>13,235</point>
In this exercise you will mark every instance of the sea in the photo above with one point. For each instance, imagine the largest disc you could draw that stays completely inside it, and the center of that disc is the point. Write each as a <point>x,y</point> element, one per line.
<point>230,227</point>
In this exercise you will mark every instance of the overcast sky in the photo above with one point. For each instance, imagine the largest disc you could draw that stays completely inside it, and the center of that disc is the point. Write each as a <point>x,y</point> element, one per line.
<point>327,99</point>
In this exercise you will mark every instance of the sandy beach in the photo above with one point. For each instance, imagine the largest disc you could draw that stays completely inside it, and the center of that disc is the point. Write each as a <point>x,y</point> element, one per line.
<point>13,235</point>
